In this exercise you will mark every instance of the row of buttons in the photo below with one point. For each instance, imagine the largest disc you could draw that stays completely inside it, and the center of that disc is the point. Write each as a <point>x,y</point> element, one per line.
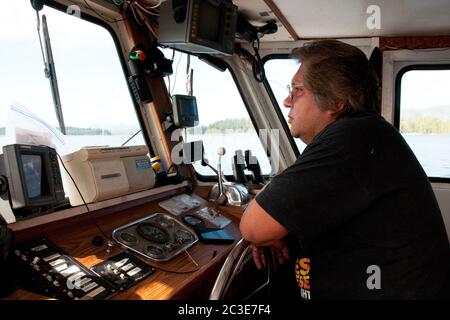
<point>60,275</point>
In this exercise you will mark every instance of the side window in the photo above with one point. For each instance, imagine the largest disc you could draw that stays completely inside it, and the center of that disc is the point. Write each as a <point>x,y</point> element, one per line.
<point>279,73</point>
<point>223,118</point>
<point>423,115</point>
<point>96,103</point>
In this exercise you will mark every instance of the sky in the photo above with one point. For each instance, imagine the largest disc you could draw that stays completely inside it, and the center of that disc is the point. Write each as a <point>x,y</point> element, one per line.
<point>425,88</point>
<point>93,89</point>
<point>91,82</point>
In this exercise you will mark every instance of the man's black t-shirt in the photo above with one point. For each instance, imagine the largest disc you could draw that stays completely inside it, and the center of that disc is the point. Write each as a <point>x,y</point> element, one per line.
<point>364,213</point>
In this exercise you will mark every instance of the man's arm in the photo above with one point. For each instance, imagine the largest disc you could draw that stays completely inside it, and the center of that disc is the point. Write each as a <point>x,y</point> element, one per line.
<point>258,227</point>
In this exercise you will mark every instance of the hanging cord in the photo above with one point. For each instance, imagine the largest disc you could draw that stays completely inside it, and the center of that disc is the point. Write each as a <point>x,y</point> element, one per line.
<point>176,73</point>
<point>173,165</point>
<point>141,4</point>
<point>168,78</point>
<point>245,55</point>
<point>257,65</point>
<point>198,267</point>
<point>168,85</point>
<point>188,64</point>
<point>91,216</point>
<point>134,135</point>
<point>144,14</point>
<point>176,272</point>
<point>188,76</point>
<point>88,6</point>
<point>191,82</point>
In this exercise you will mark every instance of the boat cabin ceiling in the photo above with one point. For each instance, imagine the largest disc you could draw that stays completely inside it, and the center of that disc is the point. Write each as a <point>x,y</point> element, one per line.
<point>313,19</point>
<point>310,19</point>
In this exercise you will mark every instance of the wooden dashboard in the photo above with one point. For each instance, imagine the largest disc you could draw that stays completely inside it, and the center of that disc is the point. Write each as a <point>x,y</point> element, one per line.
<point>179,278</point>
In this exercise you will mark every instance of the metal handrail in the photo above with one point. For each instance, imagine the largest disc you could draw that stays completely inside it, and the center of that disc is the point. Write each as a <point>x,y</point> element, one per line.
<point>269,263</point>
<point>230,268</point>
<point>223,279</point>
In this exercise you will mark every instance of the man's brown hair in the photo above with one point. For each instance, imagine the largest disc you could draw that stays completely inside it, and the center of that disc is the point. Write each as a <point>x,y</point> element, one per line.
<point>336,72</point>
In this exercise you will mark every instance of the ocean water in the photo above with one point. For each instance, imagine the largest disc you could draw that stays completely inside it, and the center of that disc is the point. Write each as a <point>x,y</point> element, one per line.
<point>432,150</point>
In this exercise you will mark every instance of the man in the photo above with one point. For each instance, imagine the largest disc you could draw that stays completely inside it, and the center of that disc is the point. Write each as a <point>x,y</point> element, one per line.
<point>357,202</point>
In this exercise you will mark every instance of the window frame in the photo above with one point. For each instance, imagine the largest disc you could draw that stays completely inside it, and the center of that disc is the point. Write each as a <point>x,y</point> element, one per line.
<point>213,177</point>
<point>274,101</point>
<point>397,101</point>
<point>86,17</point>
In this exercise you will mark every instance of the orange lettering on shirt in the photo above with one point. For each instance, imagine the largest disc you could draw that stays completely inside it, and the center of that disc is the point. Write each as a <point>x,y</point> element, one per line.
<point>304,264</point>
<point>304,282</point>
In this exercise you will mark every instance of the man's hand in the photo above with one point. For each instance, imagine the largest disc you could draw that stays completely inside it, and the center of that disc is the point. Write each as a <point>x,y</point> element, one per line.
<point>280,253</point>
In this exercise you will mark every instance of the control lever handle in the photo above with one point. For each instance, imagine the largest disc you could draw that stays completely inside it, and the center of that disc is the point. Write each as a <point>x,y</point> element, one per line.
<point>224,192</point>
<point>222,198</point>
<point>254,167</point>
<point>205,163</point>
<point>239,167</point>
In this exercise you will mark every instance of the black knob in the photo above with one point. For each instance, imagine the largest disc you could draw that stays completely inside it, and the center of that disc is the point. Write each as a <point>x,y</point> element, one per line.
<point>97,241</point>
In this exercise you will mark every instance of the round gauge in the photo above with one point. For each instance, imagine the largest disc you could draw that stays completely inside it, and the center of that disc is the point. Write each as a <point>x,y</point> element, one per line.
<point>152,233</point>
<point>182,236</point>
<point>128,239</point>
<point>154,252</point>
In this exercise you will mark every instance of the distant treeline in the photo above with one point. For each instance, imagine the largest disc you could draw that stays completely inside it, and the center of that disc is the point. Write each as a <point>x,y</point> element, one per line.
<point>74,131</point>
<point>419,124</point>
<point>241,125</point>
<point>424,125</point>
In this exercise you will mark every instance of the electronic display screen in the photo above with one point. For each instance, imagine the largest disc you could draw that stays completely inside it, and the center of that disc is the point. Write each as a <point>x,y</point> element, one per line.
<point>32,170</point>
<point>210,21</point>
<point>187,107</point>
<point>184,111</point>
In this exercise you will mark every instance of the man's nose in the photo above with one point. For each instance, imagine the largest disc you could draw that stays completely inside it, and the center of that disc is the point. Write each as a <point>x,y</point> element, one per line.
<point>287,102</point>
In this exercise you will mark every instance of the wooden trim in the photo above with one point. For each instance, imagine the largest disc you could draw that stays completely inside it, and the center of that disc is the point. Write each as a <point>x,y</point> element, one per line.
<point>154,115</point>
<point>129,199</point>
<point>161,104</point>
<point>74,237</point>
<point>282,19</point>
<point>416,42</point>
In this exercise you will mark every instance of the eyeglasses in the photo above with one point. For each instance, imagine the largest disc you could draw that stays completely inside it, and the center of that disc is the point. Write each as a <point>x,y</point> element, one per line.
<point>290,89</point>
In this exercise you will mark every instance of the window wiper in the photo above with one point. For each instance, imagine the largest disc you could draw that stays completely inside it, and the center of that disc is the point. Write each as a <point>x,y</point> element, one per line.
<point>51,75</point>
<point>50,71</point>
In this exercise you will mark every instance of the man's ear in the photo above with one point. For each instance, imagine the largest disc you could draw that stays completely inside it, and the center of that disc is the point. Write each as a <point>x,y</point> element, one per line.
<point>340,107</point>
